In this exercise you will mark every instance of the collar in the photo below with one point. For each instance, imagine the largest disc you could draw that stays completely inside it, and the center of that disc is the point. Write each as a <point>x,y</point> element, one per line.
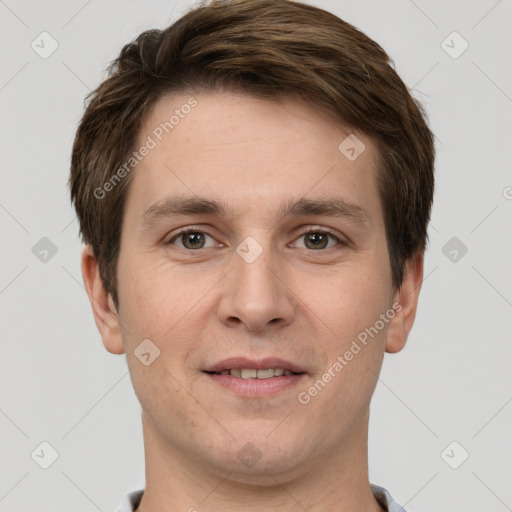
<point>133,499</point>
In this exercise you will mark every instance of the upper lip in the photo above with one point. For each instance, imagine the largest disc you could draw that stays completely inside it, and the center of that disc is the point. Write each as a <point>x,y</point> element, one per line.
<point>257,364</point>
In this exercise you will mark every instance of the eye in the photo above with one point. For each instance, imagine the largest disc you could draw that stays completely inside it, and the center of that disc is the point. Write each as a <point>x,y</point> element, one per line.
<point>319,239</point>
<point>191,239</point>
<point>314,239</point>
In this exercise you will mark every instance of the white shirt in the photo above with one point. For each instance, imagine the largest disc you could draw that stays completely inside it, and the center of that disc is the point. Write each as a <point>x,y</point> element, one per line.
<point>132,500</point>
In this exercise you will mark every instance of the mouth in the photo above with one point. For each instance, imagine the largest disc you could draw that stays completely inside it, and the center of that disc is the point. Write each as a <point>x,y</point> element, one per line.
<point>253,373</point>
<point>255,379</point>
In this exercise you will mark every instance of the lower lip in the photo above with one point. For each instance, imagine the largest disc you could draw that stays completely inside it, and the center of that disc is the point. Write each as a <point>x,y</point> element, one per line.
<point>256,388</point>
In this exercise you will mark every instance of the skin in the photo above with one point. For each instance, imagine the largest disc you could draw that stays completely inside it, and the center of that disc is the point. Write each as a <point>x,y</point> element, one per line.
<point>302,304</point>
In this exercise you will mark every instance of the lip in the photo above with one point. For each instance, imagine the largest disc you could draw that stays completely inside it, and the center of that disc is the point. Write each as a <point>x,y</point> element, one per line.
<point>256,388</point>
<point>260,364</point>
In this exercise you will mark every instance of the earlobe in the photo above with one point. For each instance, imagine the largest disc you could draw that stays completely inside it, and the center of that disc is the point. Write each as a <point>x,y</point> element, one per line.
<point>103,308</point>
<point>407,296</point>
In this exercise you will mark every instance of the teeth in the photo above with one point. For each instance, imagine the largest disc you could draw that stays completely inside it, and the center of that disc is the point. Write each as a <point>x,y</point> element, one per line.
<point>265,374</point>
<point>245,373</point>
<point>251,373</point>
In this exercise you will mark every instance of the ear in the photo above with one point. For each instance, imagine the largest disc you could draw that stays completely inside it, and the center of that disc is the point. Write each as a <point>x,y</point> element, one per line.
<point>407,297</point>
<point>103,308</point>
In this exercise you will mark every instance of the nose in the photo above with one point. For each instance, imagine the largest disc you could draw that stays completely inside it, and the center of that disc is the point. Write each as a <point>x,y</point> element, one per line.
<point>256,296</point>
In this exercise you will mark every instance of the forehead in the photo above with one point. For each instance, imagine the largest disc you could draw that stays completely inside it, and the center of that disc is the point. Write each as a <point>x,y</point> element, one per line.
<point>251,153</point>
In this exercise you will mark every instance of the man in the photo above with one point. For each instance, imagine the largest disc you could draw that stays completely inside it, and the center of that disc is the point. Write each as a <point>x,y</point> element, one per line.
<point>253,186</point>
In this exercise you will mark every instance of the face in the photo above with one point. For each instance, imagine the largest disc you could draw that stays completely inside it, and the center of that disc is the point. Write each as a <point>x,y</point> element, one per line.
<point>252,246</point>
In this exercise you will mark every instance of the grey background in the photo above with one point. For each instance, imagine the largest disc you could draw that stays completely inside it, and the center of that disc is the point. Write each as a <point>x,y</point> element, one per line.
<point>451,383</point>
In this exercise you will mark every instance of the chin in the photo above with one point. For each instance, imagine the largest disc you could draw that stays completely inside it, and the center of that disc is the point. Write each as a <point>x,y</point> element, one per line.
<point>252,458</point>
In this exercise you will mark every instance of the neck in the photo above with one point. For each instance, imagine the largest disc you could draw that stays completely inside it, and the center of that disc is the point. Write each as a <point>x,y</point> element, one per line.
<point>335,481</point>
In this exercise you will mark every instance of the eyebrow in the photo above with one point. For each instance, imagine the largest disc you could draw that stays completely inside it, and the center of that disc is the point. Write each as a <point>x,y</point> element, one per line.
<point>336,207</point>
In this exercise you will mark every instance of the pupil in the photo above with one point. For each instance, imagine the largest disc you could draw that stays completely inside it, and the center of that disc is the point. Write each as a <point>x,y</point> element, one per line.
<point>317,240</point>
<point>195,240</point>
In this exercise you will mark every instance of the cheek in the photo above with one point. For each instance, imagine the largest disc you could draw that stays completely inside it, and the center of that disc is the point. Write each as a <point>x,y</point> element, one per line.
<point>155,307</point>
<point>351,301</point>
<point>154,297</point>
<point>353,349</point>
<point>162,304</point>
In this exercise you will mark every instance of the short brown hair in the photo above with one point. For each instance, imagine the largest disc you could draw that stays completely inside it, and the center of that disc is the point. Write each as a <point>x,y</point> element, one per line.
<point>268,49</point>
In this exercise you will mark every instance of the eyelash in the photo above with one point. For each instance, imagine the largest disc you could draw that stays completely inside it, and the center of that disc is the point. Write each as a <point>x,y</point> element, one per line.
<point>305,233</point>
